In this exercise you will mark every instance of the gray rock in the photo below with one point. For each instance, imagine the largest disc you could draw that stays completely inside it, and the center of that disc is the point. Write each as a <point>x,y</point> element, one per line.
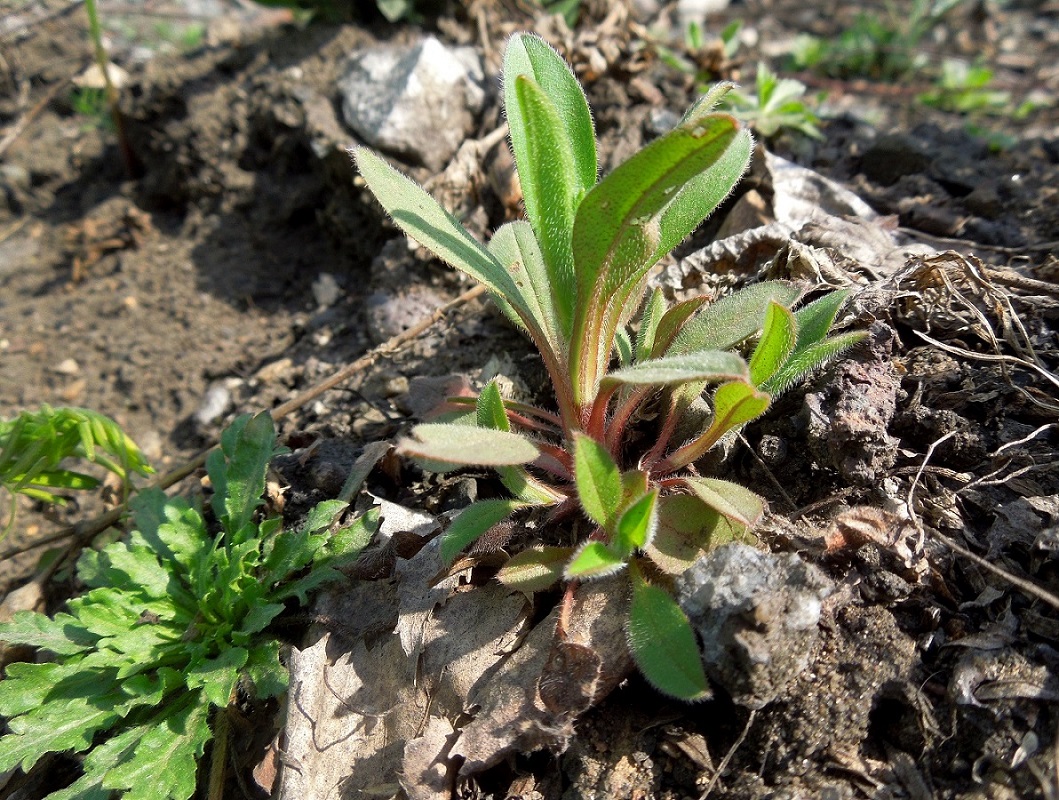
<point>756,614</point>
<point>218,400</point>
<point>326,290</point>
<point>418,102</point>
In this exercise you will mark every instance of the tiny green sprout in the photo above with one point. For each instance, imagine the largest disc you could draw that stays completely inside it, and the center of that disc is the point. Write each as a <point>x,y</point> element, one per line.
<point>778,104</point>
<point>573,277</point>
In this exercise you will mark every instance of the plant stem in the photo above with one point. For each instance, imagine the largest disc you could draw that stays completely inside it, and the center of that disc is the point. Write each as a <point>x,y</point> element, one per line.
<point>95,31</point>
<point>219,759</point>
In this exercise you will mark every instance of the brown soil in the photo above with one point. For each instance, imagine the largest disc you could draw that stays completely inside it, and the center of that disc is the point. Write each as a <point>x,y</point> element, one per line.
<point>932,677</point>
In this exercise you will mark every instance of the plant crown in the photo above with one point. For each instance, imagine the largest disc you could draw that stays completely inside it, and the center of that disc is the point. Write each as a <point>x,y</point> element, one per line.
<point>573,276</point>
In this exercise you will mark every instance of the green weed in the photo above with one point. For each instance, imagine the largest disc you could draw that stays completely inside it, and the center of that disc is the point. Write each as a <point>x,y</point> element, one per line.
<point>573,276</point>
<point>174,625</point>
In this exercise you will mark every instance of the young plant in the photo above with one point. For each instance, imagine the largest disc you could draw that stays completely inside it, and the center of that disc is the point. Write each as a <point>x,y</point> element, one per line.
<point>778,104</point>
<point>572,277</point>
<point>174,622</point>
<point>34,444</point>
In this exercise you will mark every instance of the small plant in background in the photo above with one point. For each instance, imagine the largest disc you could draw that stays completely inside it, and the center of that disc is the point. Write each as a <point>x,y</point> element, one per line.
<point>702,59</point>
<point>963,88</point>
<point>573,277</point>
<point>34,445</point>
<point>173,624</point>
<point>778,104</point>
<point>874,47</point>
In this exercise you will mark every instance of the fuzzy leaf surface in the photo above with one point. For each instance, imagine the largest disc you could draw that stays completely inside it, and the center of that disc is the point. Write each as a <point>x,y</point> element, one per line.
<point>421,217</point>
<point>724,324</point>
<point>737,403</point>
<point>663,644</point>
<point>730,499</point>
<point>636,525</point>
<point>617,233</point>
<point>536,569</point>
<point>804,361</point>
<point>64,635</point>
<point>599,485</point>
<point>709,365</point>
<point>775,345</point>
<point>447,447</point>
<point>472,522</point>
<point>594,560</point>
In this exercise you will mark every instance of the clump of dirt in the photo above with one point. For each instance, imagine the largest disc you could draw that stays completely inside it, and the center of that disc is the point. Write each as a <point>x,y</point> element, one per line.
<point>246,263</point>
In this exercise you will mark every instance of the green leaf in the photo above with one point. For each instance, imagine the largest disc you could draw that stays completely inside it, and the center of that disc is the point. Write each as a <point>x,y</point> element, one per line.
<point>687,528</point>
<point>737,403</point>
<point>172,528</point>
<point>266,672</point>
<point>515,246</point>
<point>217,676</point>
<point>260,616</point>
<point>673,322</point>
<point>815,319</point>
<point>531,56</point>
<point>598,479</point>
<point>490,411</point>
<point>636,525</point>
<point>163,764</point>
<point>87,787</point>
<point>237,471</point>
<point>421,217</point>
<point>811,358</point>
<point>472,522</point>
<point>618,231</point>
<point>653,313</point>
<point>724,324</point>
<point>536,569</point>
<point>594,560</point>
<point>64,635</point>
<point>730,499</point>
<point>446,447</point>
<point>663,644</point>
<point>27,686</point>
<point>709,365</point>
<point>59,725</point>
<point>775,345</point>
<point>550,187</point>
<point>322,516</point>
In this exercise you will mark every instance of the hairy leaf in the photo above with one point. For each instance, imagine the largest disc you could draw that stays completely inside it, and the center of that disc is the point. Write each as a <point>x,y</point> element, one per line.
<point>64,635</point>
<point>421,217</point>
<point>804,361</point>
<point>673,322</point>
<point>730,499</point>
<point>536,569</point>
<point>472,522</point>
<point>724,324</point>
<point>737,403</point>
<point>447,447</point>
<point>686,529</point>
<point>594,560</point>
<point>489,409</point>
<point>636,525</point>
<point>663,644</point>
<point>598,478</point>
<point>775,345</point>
<point>617,233</point>
<point>653,313</point>
<point>709,365</point>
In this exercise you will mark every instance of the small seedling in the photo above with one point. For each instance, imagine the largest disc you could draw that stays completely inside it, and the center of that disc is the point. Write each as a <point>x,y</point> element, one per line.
<point>34,445</point>
<point>884,48</point>
<point>777,105</point>
<point>573,277</point>
<point>172,628</point>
